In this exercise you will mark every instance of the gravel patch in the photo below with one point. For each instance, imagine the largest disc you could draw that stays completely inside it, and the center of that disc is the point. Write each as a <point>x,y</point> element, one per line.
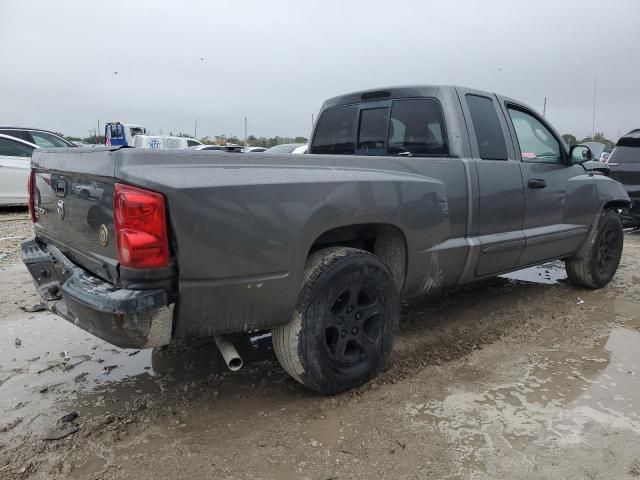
<point>15,227</point>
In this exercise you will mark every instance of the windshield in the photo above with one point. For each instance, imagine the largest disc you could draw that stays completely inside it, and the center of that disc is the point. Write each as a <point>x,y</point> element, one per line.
<point>133,131</point>
<point>596,148</point>
<point>625,155</point>
<point>43,139</point>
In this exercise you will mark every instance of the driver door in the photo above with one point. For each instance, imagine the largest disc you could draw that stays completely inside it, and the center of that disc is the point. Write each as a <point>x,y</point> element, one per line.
<point>560,199</point>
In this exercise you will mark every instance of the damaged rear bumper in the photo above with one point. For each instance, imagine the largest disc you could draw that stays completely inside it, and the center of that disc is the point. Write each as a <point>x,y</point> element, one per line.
<point>122,317</point>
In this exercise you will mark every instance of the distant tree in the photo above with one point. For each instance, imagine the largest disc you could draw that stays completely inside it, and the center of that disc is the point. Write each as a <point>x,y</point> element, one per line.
<point>73,139</point>
<point>99,140</point>
<point>599,137</point>
<point>180,134</point>
<point>570,139</point>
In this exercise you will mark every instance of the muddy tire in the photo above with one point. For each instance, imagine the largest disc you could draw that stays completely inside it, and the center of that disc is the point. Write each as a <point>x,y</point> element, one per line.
<point>344,324</point>
<point>599,265</point>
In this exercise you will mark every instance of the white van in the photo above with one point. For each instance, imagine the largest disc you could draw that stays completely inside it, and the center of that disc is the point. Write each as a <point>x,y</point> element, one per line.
<point>156,142</point>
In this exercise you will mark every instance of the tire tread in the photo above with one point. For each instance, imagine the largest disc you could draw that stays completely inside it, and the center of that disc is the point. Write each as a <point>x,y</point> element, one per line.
<point>286,337</point>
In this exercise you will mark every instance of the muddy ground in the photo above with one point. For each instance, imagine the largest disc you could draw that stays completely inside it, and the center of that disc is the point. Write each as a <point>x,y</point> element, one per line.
<point>519,377</point>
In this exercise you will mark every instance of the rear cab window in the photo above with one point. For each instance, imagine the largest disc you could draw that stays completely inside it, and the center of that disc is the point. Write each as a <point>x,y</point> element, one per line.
<point>406,127</point>
<point>417,128</point>
<point>336,132</point>
<point>372,134</point>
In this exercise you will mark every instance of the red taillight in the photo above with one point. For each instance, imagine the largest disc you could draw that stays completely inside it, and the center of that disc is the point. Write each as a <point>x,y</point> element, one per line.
<point>31,187</point>
<point>141,227</point>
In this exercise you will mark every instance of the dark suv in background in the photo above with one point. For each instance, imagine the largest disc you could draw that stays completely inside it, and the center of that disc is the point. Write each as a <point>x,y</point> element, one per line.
<point>624,163</point>
<point>39,137</point>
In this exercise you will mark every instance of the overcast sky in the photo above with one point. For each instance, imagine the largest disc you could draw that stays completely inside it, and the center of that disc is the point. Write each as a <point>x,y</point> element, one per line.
<point>276,61</point>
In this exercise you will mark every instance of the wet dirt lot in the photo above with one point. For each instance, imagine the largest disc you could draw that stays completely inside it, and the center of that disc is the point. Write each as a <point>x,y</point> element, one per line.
<point>519,377</point>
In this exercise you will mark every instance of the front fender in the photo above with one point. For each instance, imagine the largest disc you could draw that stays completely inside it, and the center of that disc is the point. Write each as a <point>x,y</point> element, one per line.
<point>611,191</point>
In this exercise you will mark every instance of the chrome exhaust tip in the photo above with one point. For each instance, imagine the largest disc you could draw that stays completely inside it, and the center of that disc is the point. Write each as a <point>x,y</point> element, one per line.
<point>229,353</point>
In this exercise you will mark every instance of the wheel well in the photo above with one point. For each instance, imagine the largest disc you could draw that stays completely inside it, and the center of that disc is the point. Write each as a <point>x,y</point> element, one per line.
<point>614,204</point>
<point>383,240</point>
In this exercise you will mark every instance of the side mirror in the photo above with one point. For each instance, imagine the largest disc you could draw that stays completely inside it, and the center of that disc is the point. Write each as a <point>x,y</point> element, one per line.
<point>580,154</point>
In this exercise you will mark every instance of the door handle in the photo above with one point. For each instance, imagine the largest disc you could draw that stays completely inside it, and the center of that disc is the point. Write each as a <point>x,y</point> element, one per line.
<point>537,183</point>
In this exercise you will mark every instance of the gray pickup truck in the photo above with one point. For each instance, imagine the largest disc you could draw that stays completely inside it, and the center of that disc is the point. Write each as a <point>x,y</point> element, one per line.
<point>404,191</point>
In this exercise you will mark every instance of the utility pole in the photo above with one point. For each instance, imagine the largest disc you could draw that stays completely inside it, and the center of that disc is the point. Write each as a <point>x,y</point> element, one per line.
<point>245,133</point>
<point>90,136</point>
<point>195,131</point>
<point>98,130</point>
<point>544,108</point>
<point>593,124</point>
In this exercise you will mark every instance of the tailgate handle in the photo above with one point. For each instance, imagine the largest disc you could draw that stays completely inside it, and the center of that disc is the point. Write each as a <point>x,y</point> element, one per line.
<point>61,188</point>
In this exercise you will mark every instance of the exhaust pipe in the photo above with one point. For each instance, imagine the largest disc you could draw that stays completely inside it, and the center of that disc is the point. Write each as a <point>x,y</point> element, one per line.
<point>229,353</point>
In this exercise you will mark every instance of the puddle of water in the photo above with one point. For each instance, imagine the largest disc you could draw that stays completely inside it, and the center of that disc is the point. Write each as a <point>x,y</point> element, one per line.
<point>55,364</point>
<point>548,273</point>
<point>557,402</point>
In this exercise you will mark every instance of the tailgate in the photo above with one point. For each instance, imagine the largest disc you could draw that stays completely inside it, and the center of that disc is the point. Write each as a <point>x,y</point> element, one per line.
<point>73,202</point>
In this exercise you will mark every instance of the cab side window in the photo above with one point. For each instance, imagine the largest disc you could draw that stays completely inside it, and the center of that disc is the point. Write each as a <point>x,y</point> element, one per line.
<point>486,125</point>
<point>537,143</point>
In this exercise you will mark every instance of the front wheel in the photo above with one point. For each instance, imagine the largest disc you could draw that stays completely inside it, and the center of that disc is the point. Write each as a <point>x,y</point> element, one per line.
<point>600,263</point>
<point>343,327</point>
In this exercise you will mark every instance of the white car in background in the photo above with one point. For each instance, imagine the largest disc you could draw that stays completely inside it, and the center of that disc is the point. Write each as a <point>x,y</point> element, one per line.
<point>36,136</point>
<point>15,165</point>
<point>164,142</point>
<point>295,148</point>
<point>230,147</point>
<point>254,149</point>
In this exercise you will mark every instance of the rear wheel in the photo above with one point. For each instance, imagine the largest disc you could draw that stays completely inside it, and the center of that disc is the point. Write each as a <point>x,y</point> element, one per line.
<point>599,265</point>
<point>343,327</point>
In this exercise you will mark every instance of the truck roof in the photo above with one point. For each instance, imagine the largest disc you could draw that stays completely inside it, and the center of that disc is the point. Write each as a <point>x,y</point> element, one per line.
<point>385,93</point>
<point>408,91</point>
